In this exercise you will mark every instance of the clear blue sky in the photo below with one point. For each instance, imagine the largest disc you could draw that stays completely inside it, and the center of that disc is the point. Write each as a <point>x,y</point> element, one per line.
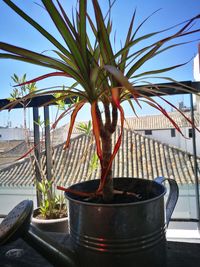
<point>16,31</point>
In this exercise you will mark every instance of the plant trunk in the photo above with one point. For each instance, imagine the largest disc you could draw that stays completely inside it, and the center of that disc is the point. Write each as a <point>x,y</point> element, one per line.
<point>107,152</point>
<point>106,131</point>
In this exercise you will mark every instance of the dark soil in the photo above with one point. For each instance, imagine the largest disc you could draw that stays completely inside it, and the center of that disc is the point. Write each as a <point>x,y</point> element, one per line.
<point>57,214</point>
<point>121,198</point>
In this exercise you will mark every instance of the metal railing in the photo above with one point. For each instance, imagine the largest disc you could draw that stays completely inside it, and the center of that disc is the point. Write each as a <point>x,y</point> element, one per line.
<point>46,101</point>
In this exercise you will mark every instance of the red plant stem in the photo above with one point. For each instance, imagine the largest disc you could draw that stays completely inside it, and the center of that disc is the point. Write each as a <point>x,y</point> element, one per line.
<point>73,117</point>
<point>78,193</point>
<point>96,129</point>
<point>115,98</point>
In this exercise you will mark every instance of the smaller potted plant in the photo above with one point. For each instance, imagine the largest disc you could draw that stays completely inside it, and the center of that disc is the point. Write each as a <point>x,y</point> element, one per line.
<point>51,213</point>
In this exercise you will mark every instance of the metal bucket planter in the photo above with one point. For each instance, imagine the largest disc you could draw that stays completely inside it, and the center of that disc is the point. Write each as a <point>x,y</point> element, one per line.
<point>118,235</point>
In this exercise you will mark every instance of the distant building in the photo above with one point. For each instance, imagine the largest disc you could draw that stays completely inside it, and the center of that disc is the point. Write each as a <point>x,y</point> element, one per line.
<point>59,135</point>
<point>8,134</point>
<point>196,74</point>
<point>196,68</point>
<point>159,128</point>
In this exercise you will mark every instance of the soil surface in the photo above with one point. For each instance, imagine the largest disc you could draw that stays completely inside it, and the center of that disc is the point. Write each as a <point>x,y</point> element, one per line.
<point>120,198</point>
<point>56,214</point>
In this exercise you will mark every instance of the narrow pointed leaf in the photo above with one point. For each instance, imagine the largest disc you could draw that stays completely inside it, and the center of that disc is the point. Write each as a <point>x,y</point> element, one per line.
<point>152,72</point>
<point>65,33</point>
<point>31,55</point>
<point>123,80</point>
<point>127,42</point>
<point>105,45</point>
<point>52,74</point>
<point>36,26</point>
<point>164,112</point>
<point>67,20</point>
<point>142,23</point>
<point>83,35</point>
<point>142,60</point>
<point>27,153</point>
<point>61,117</point>
<point>28,60</point>
<point>72,121</point>
<point>182,113</point>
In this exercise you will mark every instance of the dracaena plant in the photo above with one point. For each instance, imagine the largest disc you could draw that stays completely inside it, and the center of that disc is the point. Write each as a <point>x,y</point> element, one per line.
<point>103,78</point>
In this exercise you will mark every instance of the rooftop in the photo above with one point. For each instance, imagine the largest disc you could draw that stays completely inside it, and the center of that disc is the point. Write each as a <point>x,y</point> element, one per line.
<point>159,121</point>
<point>138,156</point>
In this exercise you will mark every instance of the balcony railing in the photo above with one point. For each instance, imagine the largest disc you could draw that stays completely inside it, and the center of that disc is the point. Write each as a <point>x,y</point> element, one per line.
<point>45,101</point>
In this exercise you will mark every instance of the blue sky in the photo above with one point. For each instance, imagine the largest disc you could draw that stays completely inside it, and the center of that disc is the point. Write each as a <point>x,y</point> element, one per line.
<point>16,31</point>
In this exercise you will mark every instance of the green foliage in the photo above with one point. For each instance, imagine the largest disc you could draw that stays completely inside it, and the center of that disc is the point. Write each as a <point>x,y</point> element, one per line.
<point>24,88</point>
<point>59,100</point>
<point>102,76</point>
<point>94,65</point>
<point>94,162</point>
<point>52,206</point>
<point>85,128</point>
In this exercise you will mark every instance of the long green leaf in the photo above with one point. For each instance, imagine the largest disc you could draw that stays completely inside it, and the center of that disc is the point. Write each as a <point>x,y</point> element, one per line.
<point>142,23</point>
<point>66,59</point>
<point>153,52</point>
<point>143,59</point>
<point>67,20</point>
<point>158,71</point>
<point>38,58</point>
<point>134,42</point>
<point>125,52</point>
<point>105,45</point>
<point>28,60</point>
<point>83,35</point>
<point>42,77</point>
<point>37,26</point>
<point>66,35</point>
<point>31,55</point>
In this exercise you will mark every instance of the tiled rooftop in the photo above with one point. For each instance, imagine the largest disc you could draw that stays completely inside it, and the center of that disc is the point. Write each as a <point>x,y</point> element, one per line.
<point>11,151</point>
<point>160,121</point>
<point>138,156</point>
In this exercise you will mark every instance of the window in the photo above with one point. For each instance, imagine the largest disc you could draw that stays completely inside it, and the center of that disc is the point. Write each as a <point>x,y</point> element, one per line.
<point>173,133</point>
<point>148,132</point>
<point>190,133</point>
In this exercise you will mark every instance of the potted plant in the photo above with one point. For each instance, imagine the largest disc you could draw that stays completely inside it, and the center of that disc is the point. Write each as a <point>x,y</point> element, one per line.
<point>50,215</point>
<point>112,221</point>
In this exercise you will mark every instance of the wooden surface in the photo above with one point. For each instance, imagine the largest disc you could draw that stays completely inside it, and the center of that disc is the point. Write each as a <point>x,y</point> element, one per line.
<point>19,254</point>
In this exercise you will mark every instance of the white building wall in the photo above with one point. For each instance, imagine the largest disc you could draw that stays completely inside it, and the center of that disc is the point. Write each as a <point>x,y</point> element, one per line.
<point>196,68</point>
<point>7,134</point>
<point>179,141</point>
<point>196,75</point>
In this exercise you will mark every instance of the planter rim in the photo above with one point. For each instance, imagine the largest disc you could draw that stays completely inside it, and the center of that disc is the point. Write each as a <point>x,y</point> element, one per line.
<point>44,221</point>
<point>109,205</point>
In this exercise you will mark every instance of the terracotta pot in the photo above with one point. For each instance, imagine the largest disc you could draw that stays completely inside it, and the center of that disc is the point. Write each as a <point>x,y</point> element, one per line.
<point>50,225</point>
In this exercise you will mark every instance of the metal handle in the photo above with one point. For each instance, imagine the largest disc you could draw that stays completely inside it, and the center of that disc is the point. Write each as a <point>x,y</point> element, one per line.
<point>172,198</point>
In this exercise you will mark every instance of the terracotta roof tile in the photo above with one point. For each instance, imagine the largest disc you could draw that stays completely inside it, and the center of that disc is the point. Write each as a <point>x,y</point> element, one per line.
<point>138,156</point>
<point>151,122</point>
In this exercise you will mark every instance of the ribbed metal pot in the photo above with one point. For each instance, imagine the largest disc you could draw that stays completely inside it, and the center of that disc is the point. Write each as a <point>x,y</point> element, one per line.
<point>118,235</point>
